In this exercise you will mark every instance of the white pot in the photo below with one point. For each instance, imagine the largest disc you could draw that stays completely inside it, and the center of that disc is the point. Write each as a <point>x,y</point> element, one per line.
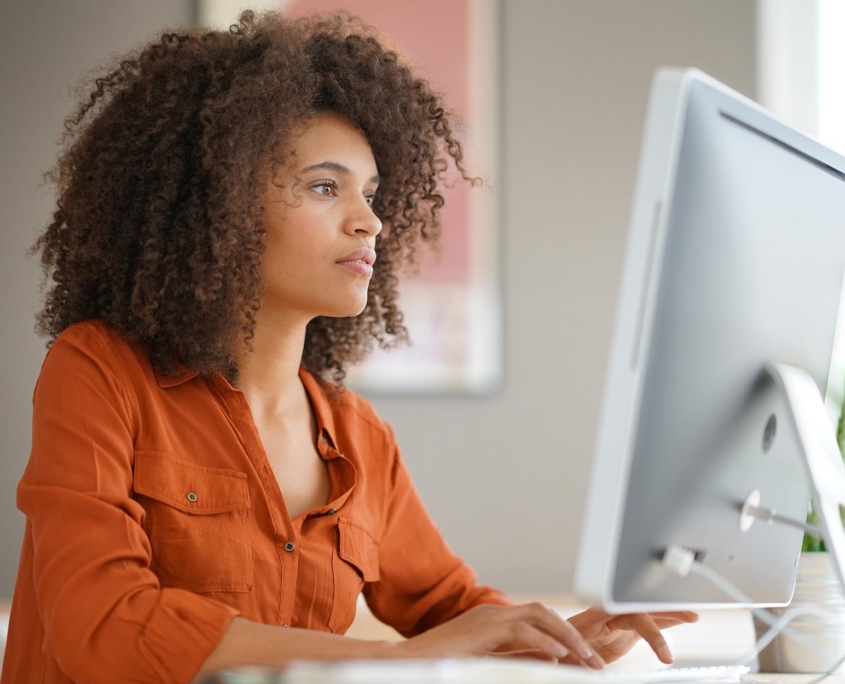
<point>817,585</point>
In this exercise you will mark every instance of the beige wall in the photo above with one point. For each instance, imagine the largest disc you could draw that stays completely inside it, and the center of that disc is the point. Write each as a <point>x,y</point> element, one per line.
<point>504,476</point>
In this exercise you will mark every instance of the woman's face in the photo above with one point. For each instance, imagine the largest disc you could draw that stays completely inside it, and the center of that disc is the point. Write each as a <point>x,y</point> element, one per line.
<point>321,229</point>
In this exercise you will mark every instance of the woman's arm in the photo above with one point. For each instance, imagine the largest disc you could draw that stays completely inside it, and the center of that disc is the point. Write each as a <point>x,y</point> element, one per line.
<point>421,582</point>
<point>251,643</point>
<point>88,580</point>
<point>476,632</point>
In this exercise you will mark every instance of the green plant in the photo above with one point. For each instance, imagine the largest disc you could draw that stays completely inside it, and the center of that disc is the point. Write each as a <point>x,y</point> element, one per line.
<point>811,542</point>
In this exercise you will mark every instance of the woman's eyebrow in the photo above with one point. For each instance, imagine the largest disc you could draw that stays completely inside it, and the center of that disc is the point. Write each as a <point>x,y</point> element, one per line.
<point>337,168</point>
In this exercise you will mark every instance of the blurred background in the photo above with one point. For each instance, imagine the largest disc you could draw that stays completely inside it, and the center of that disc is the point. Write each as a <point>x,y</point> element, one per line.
<point>503,472</point>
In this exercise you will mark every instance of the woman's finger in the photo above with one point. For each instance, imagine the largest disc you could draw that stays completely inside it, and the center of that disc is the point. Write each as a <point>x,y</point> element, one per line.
<point>663,620</point>
<point>540,640</point>
<point>647,628</point>
<point>573,659</point>
<point>666,623</point>
<point>564,631</point>
<point>682,615</point>
<point>531,653</point>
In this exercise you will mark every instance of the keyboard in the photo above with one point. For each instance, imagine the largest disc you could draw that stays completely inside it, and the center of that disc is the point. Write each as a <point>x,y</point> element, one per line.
<point>469,671</point>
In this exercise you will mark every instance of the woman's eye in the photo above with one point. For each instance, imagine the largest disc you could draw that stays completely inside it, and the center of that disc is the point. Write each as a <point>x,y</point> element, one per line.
<point>371,200</point>
<point>324,189</point>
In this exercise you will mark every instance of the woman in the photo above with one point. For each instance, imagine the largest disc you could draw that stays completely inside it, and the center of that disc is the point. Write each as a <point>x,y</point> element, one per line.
<point>202,492</point>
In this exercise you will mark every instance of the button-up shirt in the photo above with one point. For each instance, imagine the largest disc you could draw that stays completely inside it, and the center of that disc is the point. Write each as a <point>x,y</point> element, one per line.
<point>154,517</point>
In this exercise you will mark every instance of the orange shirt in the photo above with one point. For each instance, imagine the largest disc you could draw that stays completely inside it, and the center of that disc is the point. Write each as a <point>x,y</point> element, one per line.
<point>153,518</point>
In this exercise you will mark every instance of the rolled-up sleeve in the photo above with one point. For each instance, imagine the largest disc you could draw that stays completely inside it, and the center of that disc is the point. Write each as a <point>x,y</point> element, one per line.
<point>106,618</point>
<point>437,585</point>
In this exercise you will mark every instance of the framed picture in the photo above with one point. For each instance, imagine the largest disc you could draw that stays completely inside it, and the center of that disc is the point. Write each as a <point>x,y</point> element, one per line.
<point>453,307</point>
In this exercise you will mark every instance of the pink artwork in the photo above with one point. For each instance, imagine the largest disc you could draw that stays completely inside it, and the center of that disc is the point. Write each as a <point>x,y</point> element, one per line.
<point>452,308</point>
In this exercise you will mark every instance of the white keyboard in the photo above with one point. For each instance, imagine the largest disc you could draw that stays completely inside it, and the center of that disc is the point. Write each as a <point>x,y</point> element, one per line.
<point>470,671</point>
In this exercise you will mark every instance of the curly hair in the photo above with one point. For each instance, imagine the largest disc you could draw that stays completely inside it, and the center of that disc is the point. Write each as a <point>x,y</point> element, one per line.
<point>158,226</point>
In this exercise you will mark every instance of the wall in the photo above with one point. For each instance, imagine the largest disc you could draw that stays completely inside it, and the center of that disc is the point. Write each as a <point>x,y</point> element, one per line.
<point>46,48</point>
<point>504,476</point>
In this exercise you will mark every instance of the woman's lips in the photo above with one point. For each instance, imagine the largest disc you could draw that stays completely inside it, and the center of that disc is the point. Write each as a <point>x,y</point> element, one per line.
<point>357,266</point>
<point>360,261</point>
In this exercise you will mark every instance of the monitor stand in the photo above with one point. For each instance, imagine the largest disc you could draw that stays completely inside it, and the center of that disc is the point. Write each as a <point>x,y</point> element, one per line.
<point>807,418</point>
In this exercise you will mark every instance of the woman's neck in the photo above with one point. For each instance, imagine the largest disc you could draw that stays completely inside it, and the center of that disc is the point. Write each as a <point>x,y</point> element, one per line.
<point>269,378</point>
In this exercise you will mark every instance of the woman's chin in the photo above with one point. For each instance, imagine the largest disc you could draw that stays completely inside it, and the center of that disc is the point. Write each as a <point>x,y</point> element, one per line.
<point>358,310</point>
<point>349,310</point>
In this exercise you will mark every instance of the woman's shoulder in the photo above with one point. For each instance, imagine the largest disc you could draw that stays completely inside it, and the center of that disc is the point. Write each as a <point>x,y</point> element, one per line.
<point>100,344</point>
<point>96,336</point>
<point>94,333</point>
<point>91,362</point>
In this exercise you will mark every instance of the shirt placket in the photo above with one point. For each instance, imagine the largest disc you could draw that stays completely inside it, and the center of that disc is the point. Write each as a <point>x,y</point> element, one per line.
<point>286,539</point>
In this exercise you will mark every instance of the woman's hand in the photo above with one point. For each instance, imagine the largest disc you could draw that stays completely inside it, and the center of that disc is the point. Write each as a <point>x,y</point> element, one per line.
<point>612,636</point>
<point>592,638</point>
<point>483,630</point>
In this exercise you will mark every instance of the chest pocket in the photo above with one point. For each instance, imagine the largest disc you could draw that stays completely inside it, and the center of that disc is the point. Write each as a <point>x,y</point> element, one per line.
<point>196,520</point>
<point>355,560</point>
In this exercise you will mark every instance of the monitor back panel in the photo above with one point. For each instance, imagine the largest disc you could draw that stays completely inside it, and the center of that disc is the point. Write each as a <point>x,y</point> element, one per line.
<point>748,265</point>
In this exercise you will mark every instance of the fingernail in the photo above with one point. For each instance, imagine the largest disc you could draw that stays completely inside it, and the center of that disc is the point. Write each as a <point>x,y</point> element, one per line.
<point>667,654</point>
<point>585,651</point>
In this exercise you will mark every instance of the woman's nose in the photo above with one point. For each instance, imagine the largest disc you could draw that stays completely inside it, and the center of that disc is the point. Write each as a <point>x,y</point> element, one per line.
<point>363,220</point>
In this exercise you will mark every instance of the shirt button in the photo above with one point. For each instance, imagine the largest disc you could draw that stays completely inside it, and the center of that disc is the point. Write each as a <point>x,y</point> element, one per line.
<point>192,497</point>
<point>331,511</point>
<point>323,440</point>
<point>290,546</point>
<point>285,625</point>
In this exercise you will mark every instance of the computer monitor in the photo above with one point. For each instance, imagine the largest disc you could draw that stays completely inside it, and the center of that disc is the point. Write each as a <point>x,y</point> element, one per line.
<point>735,260</point>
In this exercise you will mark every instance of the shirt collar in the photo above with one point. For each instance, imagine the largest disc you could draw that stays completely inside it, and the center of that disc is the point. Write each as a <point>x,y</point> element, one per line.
<point>320,403</point>
<point>180,375</point>
<point>316,393</point>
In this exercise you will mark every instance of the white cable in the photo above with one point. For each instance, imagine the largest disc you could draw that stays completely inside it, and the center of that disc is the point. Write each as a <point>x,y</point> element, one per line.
<point>776,625</point>
<point>682,561</point>
<point>779,626</point>
<point>770,516</point>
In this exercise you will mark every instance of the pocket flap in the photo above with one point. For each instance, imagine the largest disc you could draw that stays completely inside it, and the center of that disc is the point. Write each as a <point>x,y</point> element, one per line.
<point>359,547</point>
<point>189,487</point>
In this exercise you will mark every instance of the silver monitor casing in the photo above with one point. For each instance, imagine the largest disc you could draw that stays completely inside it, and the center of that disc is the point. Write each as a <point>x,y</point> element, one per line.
<point>735,259</point>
